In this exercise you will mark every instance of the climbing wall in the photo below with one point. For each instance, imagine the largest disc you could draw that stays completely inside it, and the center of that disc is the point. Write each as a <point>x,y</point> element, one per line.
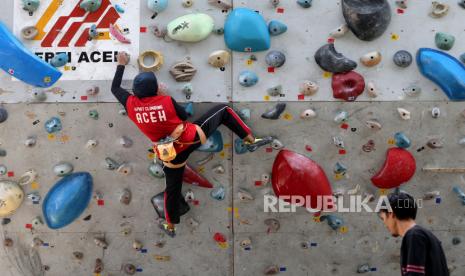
<point>232,235</point>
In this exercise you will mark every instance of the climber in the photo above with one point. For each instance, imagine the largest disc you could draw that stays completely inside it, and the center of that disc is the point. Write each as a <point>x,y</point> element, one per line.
<point>421,252</point>
<point>163,121</point>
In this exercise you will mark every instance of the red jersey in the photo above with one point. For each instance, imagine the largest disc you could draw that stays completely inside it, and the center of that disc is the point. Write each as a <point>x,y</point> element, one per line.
<point>156,117</point>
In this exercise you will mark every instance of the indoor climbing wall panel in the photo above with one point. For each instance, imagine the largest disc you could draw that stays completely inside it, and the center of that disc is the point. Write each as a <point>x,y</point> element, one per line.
<point>227,231</point>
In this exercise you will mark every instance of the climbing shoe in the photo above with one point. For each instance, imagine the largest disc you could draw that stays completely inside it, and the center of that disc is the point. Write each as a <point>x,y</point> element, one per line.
<point>259,142</point>
<point>169,231</point>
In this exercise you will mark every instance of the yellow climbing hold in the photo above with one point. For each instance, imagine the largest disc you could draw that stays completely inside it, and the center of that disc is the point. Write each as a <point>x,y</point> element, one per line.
<point>327,75</point>
<point>223,245</point>
<point>222,154</point>
<point>287,116</point>
<point>344,229</point>
<point>51,137</point>
<point>249,62</point>
<point>151,156</point>
<point>316,219</point>
<point>227,145</point>
<point>266,98</point>
<point>383,191</point>
<point>394,37</point>
<point>338,176</point>
<point>391,141</point>
<point>34,185</point>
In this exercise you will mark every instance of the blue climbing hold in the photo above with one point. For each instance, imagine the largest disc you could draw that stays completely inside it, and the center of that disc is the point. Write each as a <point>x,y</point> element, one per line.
<point>67,200</point>
<point>20,63</point>
<point>276,27</point>
<point>275,59</point>
<point>401,140</point>
<point>90,5</point>
<point>93,33</point>
<point>459,193</point>
<point>340,168</point>
<point>239,146</point>
<point>31,5</point>
<point>218,193</point>
<point>444,70</point>
<point>53,125</point>
<point>305,3</point>
<point>189,108</point>
<point>214,143</point>
<point>59,60</point>
<point>119,9</point>
<point>248,78</point>
<point>246,31</point>
<point>333,221</point>
<point>157,6</point>
<point>244,114</point>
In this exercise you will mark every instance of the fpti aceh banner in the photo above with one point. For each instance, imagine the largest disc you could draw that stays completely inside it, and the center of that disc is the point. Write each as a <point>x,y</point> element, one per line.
<point>63,27</point>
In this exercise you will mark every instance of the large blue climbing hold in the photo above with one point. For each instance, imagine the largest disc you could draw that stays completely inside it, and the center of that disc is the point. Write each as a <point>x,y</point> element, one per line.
<point>239,146</point>
<point>214,143</point>
<point>402,141</point>
<point>20,63</point>
<point>246,31</point>
<point>67,200</point>
<point>444,70</point>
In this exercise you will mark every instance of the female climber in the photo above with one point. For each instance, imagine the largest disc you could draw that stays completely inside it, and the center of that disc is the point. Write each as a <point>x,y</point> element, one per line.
<point>164,122</point>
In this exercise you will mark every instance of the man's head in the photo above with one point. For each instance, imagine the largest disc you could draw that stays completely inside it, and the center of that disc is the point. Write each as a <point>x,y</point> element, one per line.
<point>404,209</point>
<point>145,85</point>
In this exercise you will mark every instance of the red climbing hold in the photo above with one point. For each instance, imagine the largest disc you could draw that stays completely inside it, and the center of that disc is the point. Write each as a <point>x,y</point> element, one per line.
<point>348,86</point>
<point>193,178</point>
<point>398,168</point>
<point>296,175</point>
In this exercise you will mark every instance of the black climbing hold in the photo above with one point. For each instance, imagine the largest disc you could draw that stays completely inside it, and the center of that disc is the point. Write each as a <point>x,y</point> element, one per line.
<point>158,202</point>
<point>87,218</point>
<point>367,19</point>
<point>3,115</point>
<point>330,60</point>
<point>275,112</point>
<point>5,221</point>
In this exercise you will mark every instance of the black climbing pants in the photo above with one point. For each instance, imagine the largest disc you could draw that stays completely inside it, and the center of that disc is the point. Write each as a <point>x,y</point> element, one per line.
<point>175,205</point>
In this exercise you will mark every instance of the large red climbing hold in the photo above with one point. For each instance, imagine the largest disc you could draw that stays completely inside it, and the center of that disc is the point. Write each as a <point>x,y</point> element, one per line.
<point>296,175</point>
<point>398,168</point>
<point>348,86</point>
<point>194,178</point>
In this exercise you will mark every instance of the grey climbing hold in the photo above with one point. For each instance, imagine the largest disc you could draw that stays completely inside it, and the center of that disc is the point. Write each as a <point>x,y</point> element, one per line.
<point>459,193</point>
<point>275,59</point>
<point>341,116</point>
<point>246,243</point>
<point>435,143</point>
<point>124,169</point>
<point>219,169</point>
<point>403,58</point>
<point>364,268</point>
<point>274,3</point>
<point>37,242</point>
<point>431,195</point>
<point>30,141</point>
<point>126,142</point>
<point>305,3</point>
<point>129,269</point>
<point>37,221</point>
<point>63,169</point>
<point>248,78</point>
<point>39,96</point>
<point>91,144</point>
<point>2,153</point>
<point>244,114</point>
<point>275,91</point>
<point>435,112</point>
<point>462,3</point>
<point>401,4</point>
<point>276,144</point>
<point>412,90</point>
<point>156,170</point>
<point>330,60</point>
<point>3,115</point>
<point>367,19</point>
<point>29,32</point>
<point>275,112</point>
<point>31,5</point>
<point>373,124</point>
<point>219,31</point>
<point>187,3</point>
<point>273,224</point>
<point>111,164</point>
<point>462,141</point>
<point>187,90</point>
<point>3,170</point>
<point>244,195</point>
<point>456,240</point>
<point>439,9</point>
<point>222,4</point>
<point>100,242</point>
<point>125,197</point>
<point>78,255</point>
<point>337,140</point>
<point>94,90</point>
<point>34,197</point>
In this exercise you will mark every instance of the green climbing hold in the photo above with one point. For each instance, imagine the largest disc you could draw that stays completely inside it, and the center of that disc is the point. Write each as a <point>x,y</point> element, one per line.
<point>90,5</point>
<point>191,27</point>
<point>444,41</point>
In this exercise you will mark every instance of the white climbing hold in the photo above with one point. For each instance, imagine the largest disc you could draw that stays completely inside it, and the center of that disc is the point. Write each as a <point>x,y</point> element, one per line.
<point>404,113</point>
<point>308,114</point>
<point>435,112</point>
<point>371,90</point>
<point>91,144</point>
<point>339,31</point>
<point>373,124</point>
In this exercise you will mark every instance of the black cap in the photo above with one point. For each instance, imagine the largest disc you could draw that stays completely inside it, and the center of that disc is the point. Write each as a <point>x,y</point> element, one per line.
<point>145,85</point>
